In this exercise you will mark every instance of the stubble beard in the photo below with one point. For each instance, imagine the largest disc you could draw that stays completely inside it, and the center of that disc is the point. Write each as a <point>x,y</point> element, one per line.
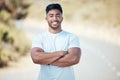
<point>54,28</point>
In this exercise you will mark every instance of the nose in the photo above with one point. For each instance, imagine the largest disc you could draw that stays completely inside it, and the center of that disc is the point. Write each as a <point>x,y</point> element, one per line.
<point>54,18</point>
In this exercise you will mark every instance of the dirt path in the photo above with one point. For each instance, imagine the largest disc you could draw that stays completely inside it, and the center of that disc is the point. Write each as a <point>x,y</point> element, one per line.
<point>24,63</point>
<point>24,69</point>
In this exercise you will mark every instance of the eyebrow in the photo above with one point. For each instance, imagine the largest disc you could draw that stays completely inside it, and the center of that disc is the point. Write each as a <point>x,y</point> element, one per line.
<point>53,14</point>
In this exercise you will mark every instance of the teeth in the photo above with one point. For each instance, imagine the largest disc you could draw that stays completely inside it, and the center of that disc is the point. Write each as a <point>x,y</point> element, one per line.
<point>54,22</point>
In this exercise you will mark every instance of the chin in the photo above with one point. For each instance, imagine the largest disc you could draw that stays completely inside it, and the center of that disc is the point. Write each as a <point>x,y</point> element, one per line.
<point>54,27</point>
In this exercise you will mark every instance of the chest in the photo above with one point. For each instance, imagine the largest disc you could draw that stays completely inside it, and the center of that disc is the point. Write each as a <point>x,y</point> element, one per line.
<point>55,43</point>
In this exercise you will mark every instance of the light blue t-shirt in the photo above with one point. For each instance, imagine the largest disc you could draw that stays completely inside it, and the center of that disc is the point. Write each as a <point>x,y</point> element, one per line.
<point>55,42</point>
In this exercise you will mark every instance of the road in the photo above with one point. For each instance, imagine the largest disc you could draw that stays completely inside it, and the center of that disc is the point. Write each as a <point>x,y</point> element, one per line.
<point>99,61</point>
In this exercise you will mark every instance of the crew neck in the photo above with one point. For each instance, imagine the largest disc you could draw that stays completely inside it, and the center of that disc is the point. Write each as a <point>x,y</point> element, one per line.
<point>55,33</point>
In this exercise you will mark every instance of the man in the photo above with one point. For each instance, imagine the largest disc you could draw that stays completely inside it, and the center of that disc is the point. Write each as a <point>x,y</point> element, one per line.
<point>56,50</point>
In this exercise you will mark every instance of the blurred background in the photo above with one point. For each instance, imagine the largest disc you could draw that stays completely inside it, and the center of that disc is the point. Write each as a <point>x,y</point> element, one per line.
<point>96,22</point>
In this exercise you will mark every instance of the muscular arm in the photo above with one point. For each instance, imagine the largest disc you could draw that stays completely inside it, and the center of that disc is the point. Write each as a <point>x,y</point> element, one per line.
<point>41,57</point>
<point>69,59</point>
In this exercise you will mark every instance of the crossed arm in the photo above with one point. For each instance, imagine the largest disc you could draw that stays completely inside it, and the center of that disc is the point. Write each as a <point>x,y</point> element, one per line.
<point>57,58</point>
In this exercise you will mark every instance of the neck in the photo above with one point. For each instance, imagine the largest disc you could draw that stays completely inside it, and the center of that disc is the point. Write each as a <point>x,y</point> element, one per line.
<point>54,31</point>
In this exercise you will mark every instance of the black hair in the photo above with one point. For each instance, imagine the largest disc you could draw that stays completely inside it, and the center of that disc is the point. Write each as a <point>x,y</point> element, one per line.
<point>54,6</point>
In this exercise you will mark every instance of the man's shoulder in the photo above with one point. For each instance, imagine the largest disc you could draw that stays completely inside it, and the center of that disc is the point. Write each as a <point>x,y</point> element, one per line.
<point>66,32</point>
<point>69,33</point>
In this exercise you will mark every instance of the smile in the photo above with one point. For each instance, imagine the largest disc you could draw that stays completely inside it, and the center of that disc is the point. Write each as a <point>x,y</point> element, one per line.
<point>55,23</point>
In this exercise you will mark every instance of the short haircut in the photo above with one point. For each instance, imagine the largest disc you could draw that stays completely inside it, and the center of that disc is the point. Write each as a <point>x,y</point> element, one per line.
<point>54,6</point>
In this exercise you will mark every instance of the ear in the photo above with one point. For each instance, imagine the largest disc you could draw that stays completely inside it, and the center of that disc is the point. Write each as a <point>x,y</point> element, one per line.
<point>62,18</point>
<point>46,18</point>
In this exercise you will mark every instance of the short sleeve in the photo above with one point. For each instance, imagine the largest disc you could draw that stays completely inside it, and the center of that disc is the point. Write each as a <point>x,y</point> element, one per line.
<point>74,41</point>
<point>37,42</point>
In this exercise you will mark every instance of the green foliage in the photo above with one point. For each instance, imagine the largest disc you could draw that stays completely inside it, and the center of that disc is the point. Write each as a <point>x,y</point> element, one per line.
<point>13,43</point>
<point>6,56</point>
<point>21,3</point>
<point>4,16</point>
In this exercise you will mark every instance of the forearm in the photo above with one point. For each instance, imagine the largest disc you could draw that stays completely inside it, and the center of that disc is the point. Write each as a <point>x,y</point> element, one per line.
<point>47,55</point>
<point>69,59</point>
<point>47,60</point>
<point>66,61</point>
<point>62,64</point>
<point>41,57</point>
<point>44,57</point>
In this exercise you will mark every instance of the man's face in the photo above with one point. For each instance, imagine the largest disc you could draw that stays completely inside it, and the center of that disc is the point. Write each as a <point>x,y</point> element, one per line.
<point>54,18</point>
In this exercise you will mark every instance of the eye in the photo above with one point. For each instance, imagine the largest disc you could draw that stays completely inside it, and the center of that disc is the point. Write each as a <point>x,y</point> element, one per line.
<point>50,15</point>
<point>58,15</point>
